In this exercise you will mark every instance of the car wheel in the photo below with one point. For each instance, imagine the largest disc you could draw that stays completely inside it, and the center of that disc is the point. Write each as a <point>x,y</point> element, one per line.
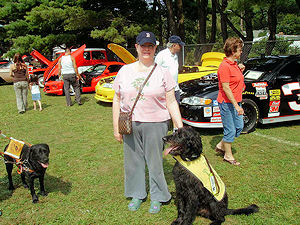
<point>251,115</point>
<point>41,81</point>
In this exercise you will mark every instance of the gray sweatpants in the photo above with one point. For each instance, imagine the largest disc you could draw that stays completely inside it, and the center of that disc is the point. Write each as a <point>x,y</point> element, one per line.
<point>144,147</point>
<point>21,90</point>
<point>71,79</point>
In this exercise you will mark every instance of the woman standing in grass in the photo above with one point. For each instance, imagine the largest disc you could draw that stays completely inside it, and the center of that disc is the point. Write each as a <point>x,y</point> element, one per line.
<point>19,72</point>
<point>231,86</point>
<point>150,118</point>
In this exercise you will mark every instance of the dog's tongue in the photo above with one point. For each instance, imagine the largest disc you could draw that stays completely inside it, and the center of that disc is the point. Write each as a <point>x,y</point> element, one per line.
<point>44,165</point>
<point>167,150</point>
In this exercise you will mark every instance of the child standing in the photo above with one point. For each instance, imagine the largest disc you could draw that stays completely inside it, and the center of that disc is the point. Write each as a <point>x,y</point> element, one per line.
<point>35,91</point>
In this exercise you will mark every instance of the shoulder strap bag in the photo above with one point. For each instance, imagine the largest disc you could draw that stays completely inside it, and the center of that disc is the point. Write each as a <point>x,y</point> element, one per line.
<point>125,118</point>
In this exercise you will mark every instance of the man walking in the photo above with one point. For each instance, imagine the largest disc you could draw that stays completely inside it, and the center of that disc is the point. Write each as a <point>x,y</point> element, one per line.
<point>168,58</point>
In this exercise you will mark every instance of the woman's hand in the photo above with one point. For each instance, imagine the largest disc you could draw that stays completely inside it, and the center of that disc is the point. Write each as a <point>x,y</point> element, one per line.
<point>239,110</point>
<point>242,67</point>
<point>118,137</point>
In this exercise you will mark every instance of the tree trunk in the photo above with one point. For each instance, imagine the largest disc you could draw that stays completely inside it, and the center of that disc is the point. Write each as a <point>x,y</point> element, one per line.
<point>213,22</point>
<point>171,18</point>
<point>157,4</point>
<point>272,24</point>
<point>180,17</point>
<point>249,35</point>
<point>202,15</point>
<point>223,19</point>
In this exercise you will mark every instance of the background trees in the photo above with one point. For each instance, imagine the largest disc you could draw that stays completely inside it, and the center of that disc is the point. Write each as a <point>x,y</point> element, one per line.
<point>43,24</point>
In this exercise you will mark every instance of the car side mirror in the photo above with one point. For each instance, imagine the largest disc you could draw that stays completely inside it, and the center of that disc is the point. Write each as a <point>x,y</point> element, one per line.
<point>106,71</point>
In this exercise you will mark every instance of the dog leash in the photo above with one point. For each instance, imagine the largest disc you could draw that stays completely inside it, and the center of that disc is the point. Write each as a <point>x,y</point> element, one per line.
<point>9,138</point>
<point>214,176</point>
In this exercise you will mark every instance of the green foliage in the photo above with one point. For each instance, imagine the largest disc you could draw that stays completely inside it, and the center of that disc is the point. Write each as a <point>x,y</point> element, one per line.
<point>289,24</point>
<point>118,32</point>
<point>282,47</point>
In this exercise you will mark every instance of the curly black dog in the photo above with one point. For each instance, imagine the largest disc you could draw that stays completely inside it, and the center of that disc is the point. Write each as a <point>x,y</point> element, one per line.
<point>35,160</point>
<point>192,197</point>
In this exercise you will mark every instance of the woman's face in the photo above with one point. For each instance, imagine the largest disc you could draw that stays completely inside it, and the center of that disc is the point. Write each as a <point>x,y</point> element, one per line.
<point>238,53</point>
<point>146,51</point>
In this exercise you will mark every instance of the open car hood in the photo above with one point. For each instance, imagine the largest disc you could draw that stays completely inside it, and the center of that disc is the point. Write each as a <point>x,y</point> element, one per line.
<point>198,87</point>
<point>52,70</point>
<point>42,59</point>
<point>122,53</point>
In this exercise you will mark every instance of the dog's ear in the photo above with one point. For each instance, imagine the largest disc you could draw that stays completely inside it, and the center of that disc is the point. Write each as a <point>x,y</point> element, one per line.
<point>194,140</point>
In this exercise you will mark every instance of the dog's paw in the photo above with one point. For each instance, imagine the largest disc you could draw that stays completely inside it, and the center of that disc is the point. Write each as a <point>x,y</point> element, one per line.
<point>11,188</point>
<point>43,193</point>
<point>35,199</point>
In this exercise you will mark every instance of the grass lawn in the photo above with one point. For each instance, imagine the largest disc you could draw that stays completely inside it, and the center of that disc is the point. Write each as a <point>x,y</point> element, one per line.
<point>85,176</point>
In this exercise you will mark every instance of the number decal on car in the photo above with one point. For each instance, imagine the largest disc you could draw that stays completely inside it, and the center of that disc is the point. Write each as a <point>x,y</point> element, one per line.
<point>287,90</point>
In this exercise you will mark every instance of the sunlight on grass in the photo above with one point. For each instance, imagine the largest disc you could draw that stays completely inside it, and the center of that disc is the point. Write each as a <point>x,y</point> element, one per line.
<point>85,175</point>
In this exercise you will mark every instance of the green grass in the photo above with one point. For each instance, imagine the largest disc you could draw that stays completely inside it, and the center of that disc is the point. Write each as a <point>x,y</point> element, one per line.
<point>85,175</point>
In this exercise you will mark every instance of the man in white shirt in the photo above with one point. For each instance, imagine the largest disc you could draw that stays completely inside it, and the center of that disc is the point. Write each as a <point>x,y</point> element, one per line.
<point>168,58</point>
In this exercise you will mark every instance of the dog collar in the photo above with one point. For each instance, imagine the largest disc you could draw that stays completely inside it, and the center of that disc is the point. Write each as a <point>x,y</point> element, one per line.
<point>206,174</point>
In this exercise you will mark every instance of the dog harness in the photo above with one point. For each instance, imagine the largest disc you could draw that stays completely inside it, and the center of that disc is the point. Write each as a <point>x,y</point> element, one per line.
<point>14,150</point>
<point>206,174</point>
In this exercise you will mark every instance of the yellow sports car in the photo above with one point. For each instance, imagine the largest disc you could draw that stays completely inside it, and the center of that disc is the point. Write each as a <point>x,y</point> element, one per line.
<point>210,63</point>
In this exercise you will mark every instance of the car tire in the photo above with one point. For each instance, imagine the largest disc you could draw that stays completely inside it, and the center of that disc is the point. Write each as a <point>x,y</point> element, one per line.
<point>251,115</point>
<point>41,81</point>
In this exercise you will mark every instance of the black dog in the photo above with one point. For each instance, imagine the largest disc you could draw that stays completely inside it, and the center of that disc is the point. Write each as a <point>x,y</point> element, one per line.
<point>192,197</point>
<point>35,161</point>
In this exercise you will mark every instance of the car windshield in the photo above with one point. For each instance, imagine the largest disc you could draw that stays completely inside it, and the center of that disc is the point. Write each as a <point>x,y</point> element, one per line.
<point>98,68</point>
<point>262,65</point>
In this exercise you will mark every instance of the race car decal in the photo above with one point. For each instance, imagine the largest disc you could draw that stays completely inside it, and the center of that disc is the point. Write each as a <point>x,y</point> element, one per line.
<point>215,119</point>
<point>216,114</point>
<point>274,109</point>
<point>274,106</point>
<point>274,103</point>
<point>287,90</point>
<point>261,91</point>
<point>216,109</point>
<point>273,114</point>
<point>215,103</point>
<point>207,112</point>
<point>275,98</point>
<point>248,93</point>
<point>274,92</point>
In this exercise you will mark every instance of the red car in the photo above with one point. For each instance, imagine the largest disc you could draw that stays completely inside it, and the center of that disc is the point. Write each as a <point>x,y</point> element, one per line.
<point>90,78</point>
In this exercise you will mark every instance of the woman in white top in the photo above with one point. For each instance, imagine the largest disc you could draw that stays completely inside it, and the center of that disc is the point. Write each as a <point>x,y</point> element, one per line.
<point>68,69</point>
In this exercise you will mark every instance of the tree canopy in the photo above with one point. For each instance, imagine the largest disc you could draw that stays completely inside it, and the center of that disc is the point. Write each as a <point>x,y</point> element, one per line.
<point>43,24</point>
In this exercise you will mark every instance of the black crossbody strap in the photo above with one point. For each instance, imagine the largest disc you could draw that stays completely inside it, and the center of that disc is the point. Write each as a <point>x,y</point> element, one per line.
<point>141,88</point>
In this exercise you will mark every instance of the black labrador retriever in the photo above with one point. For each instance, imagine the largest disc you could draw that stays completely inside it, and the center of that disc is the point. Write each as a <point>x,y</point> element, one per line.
<point>35,160</point>
<point>192,197</point>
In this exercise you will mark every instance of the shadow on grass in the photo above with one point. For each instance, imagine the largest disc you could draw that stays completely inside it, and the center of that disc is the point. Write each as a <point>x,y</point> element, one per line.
<point>277,125</point>
<point>52,184</point>
<point>56,184</point>
<point>44,106</point>
<point>104,104</point>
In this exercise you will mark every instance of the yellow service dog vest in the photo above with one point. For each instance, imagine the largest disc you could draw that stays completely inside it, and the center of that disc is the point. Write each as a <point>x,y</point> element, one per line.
<point>14,148</point>
<point>206,174</point>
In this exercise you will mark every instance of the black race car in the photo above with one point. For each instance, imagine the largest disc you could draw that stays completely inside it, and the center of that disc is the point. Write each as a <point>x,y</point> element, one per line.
<point>272,94</point>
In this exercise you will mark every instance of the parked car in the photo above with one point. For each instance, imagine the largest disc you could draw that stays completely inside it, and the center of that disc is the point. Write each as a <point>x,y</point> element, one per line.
<point>4,73</point>
<point>89,78</point>
<point>272,94</point>
<point>210,63</point>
